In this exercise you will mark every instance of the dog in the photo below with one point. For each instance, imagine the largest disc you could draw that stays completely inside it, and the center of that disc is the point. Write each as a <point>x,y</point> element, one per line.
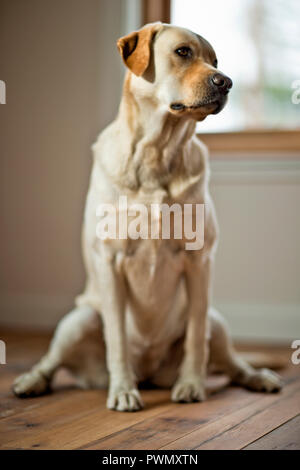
<point>145,313</point>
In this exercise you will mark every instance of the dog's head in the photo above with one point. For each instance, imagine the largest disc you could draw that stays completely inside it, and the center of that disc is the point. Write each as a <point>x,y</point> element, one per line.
<point>177,68</point>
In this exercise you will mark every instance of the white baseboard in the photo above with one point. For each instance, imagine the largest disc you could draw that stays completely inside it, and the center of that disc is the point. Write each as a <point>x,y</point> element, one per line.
<point>255,171</point>
<point>262,322</point>
<point>256,322</point>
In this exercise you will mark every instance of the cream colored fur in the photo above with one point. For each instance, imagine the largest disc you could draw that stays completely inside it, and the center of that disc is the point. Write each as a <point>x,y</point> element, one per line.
<point>145,312</point>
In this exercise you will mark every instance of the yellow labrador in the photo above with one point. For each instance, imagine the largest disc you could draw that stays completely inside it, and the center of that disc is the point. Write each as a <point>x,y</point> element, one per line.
<point>145,312</point>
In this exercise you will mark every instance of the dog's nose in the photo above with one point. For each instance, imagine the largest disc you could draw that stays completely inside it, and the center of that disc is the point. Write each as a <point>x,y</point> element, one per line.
<point>222,82</point>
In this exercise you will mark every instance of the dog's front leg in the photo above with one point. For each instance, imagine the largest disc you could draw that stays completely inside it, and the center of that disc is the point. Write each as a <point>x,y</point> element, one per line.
<point>190,385</point>
<point>123,394</point>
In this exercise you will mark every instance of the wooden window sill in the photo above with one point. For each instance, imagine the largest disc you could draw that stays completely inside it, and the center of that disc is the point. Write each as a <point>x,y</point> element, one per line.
<point>283,142</point>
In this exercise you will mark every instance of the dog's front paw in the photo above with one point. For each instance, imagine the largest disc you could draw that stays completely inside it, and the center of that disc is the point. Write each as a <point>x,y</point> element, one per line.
<point>121,399</point>
<point>188,390</point>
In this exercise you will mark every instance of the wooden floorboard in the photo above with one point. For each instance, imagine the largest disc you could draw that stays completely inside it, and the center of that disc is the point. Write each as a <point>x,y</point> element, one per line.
<point>231,418</point>
<point>285,437</point>
<point>244,424</point>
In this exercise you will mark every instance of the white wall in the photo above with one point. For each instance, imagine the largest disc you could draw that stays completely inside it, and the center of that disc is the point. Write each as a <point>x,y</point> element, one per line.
<point>258,262</point>
<point>63,76</point>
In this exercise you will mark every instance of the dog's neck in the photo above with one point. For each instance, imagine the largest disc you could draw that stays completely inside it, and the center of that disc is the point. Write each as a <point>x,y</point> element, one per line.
<point>158,140</point>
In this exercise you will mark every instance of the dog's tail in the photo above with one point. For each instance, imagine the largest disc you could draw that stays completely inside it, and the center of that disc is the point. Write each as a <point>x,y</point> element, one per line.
<point>270,360</point>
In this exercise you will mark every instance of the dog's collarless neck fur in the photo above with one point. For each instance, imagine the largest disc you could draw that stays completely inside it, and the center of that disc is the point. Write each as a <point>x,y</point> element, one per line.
<point>158,142</point>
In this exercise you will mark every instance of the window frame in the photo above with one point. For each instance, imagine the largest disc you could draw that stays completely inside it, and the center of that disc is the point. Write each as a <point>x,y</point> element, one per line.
<point>233,142</point>
<point>156,10</point>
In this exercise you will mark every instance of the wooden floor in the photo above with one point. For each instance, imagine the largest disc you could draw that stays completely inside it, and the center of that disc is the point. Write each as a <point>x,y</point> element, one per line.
<point>70,418</point>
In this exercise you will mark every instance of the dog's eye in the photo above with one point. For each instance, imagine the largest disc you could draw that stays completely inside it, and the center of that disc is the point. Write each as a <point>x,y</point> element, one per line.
<point>215,63</point>
<point>184,51</point>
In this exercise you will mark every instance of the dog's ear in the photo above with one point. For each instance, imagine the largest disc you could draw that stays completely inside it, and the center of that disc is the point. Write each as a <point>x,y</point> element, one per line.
<point>135,48</point>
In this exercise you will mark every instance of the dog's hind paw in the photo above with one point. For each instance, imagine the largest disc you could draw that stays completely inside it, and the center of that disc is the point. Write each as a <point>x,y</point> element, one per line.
<point>262,380</point>
<point>124,400</point>
<point>30,384</point>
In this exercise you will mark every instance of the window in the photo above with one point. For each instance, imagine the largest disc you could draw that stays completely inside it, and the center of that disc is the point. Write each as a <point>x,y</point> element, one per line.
<point>257,44</point>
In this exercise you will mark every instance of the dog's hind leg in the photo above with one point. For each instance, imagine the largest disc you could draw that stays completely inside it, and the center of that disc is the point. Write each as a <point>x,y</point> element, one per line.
<point>77,345</point>
<point>224,358</point>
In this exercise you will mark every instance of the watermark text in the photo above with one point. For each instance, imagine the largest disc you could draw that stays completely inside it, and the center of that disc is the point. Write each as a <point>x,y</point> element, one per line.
<point>2,352</point>
<point>296,354</point>
<point>153,221</point>
<point>2,92</point>
<point>296,94</point>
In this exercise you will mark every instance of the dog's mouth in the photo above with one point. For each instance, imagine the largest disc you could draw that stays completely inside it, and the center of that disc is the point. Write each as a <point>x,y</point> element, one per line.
<point>208,107</point>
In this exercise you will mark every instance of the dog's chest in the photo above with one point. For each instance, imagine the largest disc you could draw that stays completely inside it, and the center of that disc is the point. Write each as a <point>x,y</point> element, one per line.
<point>152,269</point>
